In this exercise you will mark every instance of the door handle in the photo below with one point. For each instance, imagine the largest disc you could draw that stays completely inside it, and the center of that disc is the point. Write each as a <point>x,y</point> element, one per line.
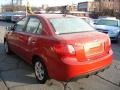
<point>33,42</point>
<point>21,36</point>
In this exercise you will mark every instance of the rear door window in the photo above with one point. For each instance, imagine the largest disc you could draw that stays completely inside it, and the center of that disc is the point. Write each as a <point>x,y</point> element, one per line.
<point>34,25</point>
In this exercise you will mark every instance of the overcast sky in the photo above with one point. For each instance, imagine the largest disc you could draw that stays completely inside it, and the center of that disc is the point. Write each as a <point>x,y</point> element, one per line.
<point>49,2</point>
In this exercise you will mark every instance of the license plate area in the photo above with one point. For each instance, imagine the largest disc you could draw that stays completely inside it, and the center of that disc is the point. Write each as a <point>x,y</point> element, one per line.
<point>94,48</point>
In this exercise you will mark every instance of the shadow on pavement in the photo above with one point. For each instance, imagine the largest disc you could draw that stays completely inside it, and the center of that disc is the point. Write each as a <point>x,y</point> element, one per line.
<point>2,51</point>
<point>14,71</point>
<point>116,50</point>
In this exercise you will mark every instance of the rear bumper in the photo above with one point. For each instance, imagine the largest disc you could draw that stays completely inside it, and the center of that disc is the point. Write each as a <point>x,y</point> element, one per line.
<point>71,68</point>
<point>91,73</point>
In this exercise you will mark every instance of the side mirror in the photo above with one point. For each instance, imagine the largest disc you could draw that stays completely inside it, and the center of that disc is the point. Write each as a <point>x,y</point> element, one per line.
<point>10,28</point>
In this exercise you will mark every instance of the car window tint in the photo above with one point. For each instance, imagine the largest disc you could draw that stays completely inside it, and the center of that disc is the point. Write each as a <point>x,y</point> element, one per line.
<point>107,22</point>
<point>33,25</point>
<point>21,24</point>
<point>70,25</point>
<point>39,28</point>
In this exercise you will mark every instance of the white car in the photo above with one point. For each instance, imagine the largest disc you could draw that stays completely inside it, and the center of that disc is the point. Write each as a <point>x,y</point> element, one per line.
<point>88,20</point>
<point>110,26</point>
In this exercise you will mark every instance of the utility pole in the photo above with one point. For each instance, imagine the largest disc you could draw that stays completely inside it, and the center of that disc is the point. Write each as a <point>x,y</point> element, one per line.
<point>12,5</point>
<point>99,5</point>
<point>119,8</point>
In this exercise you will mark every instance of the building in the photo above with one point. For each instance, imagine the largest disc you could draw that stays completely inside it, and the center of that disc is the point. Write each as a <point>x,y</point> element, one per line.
<point>99,5</point>
<point>86,6</point>
<point>44,6</point>
<point>113,5</point>
<point>102,7</point>
<point>117,6</point>
<point>72,7</point>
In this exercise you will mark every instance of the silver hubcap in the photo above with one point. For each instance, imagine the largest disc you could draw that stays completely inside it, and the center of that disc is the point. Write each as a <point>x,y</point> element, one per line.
<point>6,47</point>
<point>39,70</point>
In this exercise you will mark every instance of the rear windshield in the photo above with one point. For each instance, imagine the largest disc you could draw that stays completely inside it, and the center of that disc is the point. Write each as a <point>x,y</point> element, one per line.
<point>107,22</point>
<point>70,25</point>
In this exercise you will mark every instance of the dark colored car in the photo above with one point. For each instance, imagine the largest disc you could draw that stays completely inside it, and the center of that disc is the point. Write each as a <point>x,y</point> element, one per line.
<point>6,16</point>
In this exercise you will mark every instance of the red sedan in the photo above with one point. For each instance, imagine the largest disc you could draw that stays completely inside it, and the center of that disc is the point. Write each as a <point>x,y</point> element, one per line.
<point>59,46</point>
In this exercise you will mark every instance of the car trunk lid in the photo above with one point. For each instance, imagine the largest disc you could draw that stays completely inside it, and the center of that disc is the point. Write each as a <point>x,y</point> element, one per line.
<point>87,45</point>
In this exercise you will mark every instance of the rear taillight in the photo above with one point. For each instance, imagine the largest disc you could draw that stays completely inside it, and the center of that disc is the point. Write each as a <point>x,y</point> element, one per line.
<point>107,45</point>
<point>71,49</point>
<point>64,50</point>
<point>109,41</point>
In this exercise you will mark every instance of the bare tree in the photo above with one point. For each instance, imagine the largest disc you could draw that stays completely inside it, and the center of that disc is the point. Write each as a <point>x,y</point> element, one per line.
<point>100,5</point>
<point>119,6</point>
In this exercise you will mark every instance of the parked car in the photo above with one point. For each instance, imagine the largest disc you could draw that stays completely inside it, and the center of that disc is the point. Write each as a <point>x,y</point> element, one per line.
<point>1,16</point>
<point>110,26</point>
<point>6,16</point>
<point>39,12</point>
<point>59,46</point>
<point>95,21</point>
<point>88,20</point>
<point>18,15</point>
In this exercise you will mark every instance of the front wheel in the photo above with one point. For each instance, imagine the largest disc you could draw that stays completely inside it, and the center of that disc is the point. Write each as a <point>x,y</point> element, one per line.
<point>118,38</point>
<point>40,72</point>
<point>7,49</point>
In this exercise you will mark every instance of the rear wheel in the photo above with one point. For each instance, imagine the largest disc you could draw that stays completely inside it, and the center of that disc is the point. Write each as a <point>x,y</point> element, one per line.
<point>40,71</point>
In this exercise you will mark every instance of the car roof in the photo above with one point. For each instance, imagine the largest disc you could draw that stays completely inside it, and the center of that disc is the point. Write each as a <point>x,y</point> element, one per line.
<point>56,15</point>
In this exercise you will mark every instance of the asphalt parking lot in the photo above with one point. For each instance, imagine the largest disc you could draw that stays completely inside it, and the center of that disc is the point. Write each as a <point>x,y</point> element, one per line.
<point>15,74</point>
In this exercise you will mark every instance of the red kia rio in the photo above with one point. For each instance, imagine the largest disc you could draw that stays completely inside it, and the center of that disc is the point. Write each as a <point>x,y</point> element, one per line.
<point>59,46</point>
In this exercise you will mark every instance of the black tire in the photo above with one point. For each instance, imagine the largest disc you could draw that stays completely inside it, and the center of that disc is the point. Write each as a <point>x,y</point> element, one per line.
<point>115,41</point>
<point>7,48</point>
<point>41,73</point>
<point>118,38</point>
